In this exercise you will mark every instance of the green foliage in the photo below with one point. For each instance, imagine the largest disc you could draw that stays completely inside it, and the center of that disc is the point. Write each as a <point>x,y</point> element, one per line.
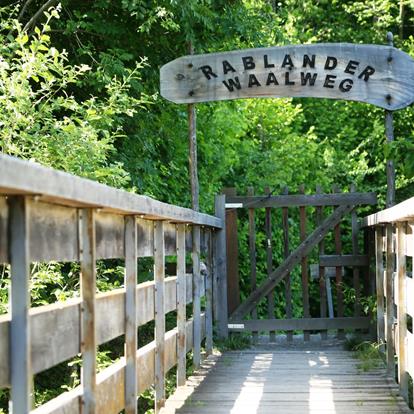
<point>369,356</point>
<point>235,341</point>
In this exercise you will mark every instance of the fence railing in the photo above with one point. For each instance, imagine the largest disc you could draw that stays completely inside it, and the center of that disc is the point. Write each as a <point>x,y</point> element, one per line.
<point>394,252</point>
<point>46,215</point>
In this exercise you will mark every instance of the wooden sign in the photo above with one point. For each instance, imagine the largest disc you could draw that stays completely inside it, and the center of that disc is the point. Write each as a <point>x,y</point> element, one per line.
<point>380,75</point>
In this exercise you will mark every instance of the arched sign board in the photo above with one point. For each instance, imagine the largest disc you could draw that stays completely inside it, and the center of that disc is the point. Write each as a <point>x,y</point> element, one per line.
<point>379,75</point>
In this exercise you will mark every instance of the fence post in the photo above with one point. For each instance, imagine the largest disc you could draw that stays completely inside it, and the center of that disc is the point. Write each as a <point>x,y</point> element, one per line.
<point>159,276</point>
<point>20,303</point>
<point>379,266</point>
<point>181,305</point>
<point>131,244</point>
<point>220,277</point>
<point>196,297</point>
<point>88,293</point>
<point>402,310</point>
<point>390,299</point>
<point>209,293</point>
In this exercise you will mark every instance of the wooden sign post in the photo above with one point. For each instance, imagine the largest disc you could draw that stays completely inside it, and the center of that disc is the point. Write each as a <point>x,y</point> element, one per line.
<point>379,75</point>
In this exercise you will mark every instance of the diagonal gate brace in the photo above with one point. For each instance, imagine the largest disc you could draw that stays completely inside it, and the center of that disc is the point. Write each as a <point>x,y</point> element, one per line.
<point>294,258</point>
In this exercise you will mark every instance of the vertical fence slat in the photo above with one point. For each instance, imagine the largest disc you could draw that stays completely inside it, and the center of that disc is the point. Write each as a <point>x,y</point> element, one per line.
<point>379,266</point>
<point>131,257</point>
<point>269,264</point>
<point>288,287</point>
<point>338,273</point>
<point>181,305</point>
<point>355,250</point>
<point>402,311</point>
<point>20,369</point>
<point>196,297</point>
<point>209,294</point>
<point>252,255</point>
<point>304,265</point>
<point>159,277</point>
<point>232,258</point>
<point>88,293</point>
<point>220,265</point>
<point>390,299</point>
<point>321,251</point>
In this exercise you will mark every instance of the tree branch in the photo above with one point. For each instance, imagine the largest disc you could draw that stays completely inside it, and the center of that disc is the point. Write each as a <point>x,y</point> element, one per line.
<point>38,14</point>
<point>23,10</point>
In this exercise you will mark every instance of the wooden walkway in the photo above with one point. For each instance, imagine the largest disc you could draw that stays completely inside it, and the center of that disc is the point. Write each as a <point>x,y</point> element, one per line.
<point>285,381</point>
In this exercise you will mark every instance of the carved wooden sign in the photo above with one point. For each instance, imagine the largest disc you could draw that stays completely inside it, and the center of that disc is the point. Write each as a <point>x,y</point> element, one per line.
<point>380,75</point>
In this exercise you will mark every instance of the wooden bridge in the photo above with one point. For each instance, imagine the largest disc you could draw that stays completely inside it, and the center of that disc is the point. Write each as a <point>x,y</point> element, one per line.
<point>47,216</point>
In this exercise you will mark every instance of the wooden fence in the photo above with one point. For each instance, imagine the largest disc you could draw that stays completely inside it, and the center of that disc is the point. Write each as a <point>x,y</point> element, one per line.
<point>394,252</point>
<point>46,215</point>
<point>309,218</point>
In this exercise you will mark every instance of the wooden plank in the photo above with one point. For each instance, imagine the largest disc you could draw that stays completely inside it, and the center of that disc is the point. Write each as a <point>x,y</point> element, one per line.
<point>4,242</point>
<point>355,250</point>
<point>410,353</point>
<point>403,211</point>
<point>389,300</point>
<point>20,358</point>
<point>23,177</point>
<point>302,250</point>
<point>195,255</point>
<point>288,287</point>
<point>338,273</point>
<point>232,248</point>
<point>181,305</point>
<point>209,295</point>
<point>220,280</point>
<point>88,320</point>
<point>302,324</point>
<point>379,266</point>
<point>321,251</point>
<point>61,322</point>
<point>131,322</point>
<point>269,263</point>
<point>253,265</point>
<point>379,75</point>
<point>304,265</point>
<point>334,260</point>
<point>402,311</point>
<point>159,276</point>
<point>410,296</point>
<point>308,200</point>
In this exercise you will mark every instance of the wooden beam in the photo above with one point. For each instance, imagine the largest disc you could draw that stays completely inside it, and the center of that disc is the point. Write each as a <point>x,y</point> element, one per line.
<point>252,258</point>
<point>232,248</point>
<point>301,324</point>
<point>379,266</point>
<point>23,177</point>
<point>401,299</point>
<point>343,260</point>
<point>209,295</point>
<point>20,344</point>
<point>297,200</point>
<point>295,257</point>
<point>159,278</point>
<point>195,255</point>
<point>88,310</point>
<point>220,279</point>
<point>181,305</point>
<point>389,300</point>
<point>131,321</point>
<point>288,287</point>
<point>355,251</point>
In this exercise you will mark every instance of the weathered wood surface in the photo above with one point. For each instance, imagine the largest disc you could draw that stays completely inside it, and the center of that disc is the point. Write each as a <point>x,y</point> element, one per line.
<point>379,75</point>
<point>232,248</point>
<point>389,302</point>
<point>110,382</point>
<point>310,381</point>
<point>403,211</point>
<point>54,234</point>
<point>23,177</point>
<point>61,321</point>
<point>343,260</point>
<point>297,200</point>
<point>379,277</point>
<point>288,286</point>
<point>294,258</point>
<point>301,324</point>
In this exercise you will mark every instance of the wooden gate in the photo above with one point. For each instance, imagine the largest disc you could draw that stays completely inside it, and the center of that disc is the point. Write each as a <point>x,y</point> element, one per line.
<point>303,241</point>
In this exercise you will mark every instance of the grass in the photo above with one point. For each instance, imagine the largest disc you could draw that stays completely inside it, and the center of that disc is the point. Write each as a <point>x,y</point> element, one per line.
<point>368,353</point>
<point>235,342</point>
